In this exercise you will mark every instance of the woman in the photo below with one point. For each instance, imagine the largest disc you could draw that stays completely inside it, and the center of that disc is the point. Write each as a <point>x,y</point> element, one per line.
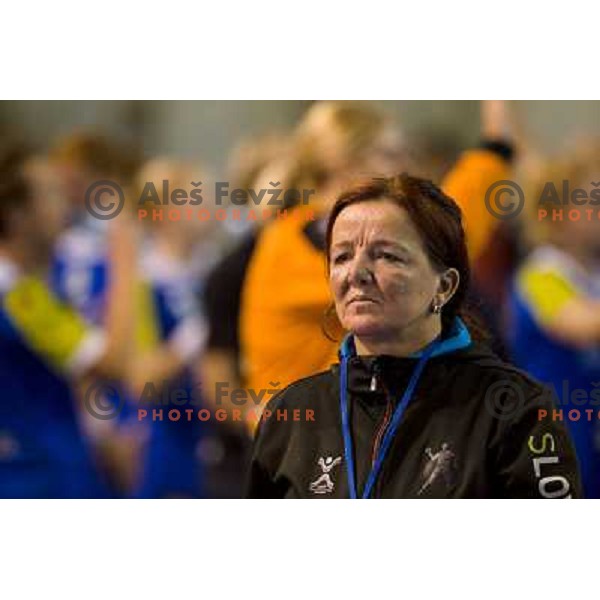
<point>337,141</point>
<point>415,409</point>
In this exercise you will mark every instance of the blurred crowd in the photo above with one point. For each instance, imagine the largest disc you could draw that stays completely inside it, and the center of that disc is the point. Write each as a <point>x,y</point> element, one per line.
<point>136,353</point>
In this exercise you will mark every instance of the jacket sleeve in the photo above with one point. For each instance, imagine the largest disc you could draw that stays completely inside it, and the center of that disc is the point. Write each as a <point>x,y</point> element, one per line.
<point>259,483</point>
<point>535,456</point>
<point>268,451</point>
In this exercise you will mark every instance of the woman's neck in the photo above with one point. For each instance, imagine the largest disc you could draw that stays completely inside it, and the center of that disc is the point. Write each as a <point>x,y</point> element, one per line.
<point>409,341</point>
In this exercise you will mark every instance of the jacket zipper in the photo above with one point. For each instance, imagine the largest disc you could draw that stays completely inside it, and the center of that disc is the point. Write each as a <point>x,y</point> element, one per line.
<point>386,417</point>
<point>381,430</point>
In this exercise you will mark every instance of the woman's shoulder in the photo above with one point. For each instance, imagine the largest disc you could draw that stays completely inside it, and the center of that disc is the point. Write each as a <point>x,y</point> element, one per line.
<point>484,367</point>
<point>496,388</point>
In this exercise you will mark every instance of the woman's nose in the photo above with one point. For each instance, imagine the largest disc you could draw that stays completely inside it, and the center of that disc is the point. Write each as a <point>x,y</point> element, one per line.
<point>361,273</point>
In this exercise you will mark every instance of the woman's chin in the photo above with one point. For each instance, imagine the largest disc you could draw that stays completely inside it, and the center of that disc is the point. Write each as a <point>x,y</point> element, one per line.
<point>365,326</point>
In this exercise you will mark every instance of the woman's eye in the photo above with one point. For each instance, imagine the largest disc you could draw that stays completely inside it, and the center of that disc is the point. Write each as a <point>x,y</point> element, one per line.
<point>390,257</point>
<point>340,258</point>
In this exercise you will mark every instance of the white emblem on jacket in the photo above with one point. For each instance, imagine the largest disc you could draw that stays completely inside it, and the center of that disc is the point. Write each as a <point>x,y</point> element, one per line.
<point>441,465</point>
<point>324,484</point>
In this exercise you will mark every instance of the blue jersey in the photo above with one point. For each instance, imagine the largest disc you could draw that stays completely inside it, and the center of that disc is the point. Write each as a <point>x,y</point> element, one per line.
<point>165,303</point>
<point>79,277</point>
<point>43,452</point>
<point>173,466</point>
<point>79,271</point>
<point>546,281</point>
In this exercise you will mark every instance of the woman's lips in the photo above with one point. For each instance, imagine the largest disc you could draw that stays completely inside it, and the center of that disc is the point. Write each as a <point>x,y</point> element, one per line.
<point>361,300</point>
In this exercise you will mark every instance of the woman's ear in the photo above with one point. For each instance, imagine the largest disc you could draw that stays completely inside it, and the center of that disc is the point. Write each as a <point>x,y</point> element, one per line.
<point>448,284</point>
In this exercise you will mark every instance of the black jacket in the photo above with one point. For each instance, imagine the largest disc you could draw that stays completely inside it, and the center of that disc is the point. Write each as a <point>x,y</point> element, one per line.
<point>472,430</point>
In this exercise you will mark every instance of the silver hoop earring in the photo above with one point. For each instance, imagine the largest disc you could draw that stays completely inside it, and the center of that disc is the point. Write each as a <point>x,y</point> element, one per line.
<point>436,308</point>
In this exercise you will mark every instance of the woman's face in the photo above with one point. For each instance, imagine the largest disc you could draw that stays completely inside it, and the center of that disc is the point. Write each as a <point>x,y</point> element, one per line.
<point>381,278</point>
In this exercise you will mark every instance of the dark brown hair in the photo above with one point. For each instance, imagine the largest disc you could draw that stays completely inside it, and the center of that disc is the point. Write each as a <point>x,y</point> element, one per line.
<point>439,222</point>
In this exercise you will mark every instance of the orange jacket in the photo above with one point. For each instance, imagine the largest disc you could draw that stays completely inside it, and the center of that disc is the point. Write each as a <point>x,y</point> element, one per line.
<point>285,296</point>
<point>467,183</point>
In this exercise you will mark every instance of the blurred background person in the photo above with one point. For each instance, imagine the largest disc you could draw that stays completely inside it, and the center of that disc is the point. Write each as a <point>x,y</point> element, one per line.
<point>171,338</point>
<point>493,243</point>
<point>168,330</point>
<point>46,347</point>
<point>555,304</point>
<point>253,163</point>
<point>80,267</point>
<point>173,259</point>
<point>82,276</point>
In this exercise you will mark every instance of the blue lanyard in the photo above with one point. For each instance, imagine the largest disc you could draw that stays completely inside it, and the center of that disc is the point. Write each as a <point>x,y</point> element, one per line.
<point>390,431</point>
